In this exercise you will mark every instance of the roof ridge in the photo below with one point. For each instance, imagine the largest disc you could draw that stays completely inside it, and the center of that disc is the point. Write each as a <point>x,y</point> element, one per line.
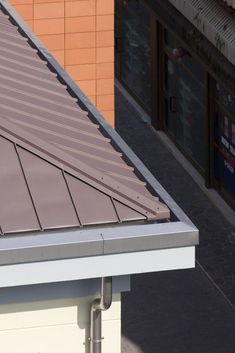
<point>91,176</point>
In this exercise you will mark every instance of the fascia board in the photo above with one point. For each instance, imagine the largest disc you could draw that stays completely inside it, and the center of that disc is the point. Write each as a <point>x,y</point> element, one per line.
<point>96,266</point>
<point>97,241</point>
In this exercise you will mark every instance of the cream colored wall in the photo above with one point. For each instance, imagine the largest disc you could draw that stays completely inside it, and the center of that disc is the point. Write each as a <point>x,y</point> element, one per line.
<point>56,326</point>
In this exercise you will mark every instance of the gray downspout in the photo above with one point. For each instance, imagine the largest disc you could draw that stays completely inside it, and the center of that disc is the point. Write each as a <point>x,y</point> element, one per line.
<point>97,307</point>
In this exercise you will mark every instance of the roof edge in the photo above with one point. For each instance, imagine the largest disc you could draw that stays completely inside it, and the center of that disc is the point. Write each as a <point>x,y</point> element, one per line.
<point>67,244</point>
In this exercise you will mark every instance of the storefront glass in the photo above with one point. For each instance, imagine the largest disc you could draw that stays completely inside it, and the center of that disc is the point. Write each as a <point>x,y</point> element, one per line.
<point>133,52</point>
<point>185,100</point>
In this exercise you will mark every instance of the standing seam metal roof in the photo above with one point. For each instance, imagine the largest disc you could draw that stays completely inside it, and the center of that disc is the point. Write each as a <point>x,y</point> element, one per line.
<point>56,168</point>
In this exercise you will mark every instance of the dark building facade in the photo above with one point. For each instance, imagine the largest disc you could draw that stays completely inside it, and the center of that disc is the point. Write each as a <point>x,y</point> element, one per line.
<point>183,80</point>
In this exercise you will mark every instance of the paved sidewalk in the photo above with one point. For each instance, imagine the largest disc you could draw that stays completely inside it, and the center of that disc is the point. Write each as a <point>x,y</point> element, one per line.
<point>180,311</point>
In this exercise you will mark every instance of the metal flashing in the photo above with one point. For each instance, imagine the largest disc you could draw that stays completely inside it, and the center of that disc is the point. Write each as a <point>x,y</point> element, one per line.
<point>95,241</point>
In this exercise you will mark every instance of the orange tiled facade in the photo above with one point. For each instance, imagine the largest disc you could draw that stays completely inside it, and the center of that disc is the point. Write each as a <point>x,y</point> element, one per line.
<point>80,34</point>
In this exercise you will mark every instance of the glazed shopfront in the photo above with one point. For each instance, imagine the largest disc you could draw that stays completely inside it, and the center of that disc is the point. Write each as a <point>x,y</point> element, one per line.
<point>183,83</point>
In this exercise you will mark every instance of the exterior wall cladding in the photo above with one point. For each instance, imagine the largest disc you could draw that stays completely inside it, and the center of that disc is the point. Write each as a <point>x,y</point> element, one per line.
<point>80,34</point>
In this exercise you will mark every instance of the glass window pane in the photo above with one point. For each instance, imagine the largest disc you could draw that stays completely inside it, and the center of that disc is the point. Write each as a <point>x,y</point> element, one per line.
<point>135,50</point>
<point>185,102</point>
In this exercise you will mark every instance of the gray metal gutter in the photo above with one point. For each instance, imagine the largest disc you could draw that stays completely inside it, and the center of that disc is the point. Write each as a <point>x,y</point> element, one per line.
<point>67,244</point>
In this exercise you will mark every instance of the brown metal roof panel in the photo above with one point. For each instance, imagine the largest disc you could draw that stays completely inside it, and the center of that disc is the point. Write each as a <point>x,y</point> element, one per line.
<point>47,82</point>
<point>51,135</point>
<point>83,146</point>
<point>12,34</point>
<point>93,206</point>
<point>25,68</point>
<point>16,208</point>
<point>14,38</point>
<point>126,213</point>
<point>63,129</point>
<point>71,124</point>
<point>37,97</point>
<point>87,173</point>
<point>49,192</point>
<point>17,53</point>
<point>32,108</point>
<point>25,63</point>
<point>35,89</point>
<point>16,43</point>
<point>99,160</point>
<point>6,25</point>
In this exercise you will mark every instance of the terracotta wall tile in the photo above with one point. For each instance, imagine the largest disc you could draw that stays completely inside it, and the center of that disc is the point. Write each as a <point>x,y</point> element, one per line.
<point>80,40</point>
<point>105,70</point>
<point>104,22</point>
<point>89,87</point>
<point>51,10</point>
<point>105,39</point>
<point>105,86</point>
<point>80,24</point>
<point>49,26</point>
<point>105,102</point>
<point>105,55</point>
<point>82,72</point>
<point>80,56</point>
<point>25,11</point>
<point>105,7</point>
<point>109,116</point>
<point>46,1</point>
<point>53,41</point>
<point>20,2</point>
<point>80,8</point>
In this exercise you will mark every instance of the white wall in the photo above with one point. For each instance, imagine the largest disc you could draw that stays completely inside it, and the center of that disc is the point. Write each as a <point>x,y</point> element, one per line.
<point>56,326</point>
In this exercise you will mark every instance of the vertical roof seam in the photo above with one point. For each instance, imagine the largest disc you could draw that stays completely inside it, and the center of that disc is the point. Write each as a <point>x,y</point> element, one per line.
<point>71,198</point>
<point>28,188</point>
<point>115,209</point>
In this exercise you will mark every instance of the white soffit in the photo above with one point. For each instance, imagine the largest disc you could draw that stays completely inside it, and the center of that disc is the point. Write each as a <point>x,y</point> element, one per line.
<point>97,266</point>
<point>212,21</point>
